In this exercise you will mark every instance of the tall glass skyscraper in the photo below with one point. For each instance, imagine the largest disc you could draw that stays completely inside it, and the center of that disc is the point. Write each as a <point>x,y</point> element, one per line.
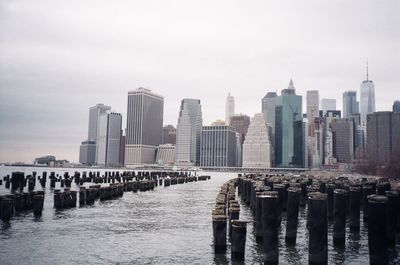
<point>188,132</point>
<point>288,110</point>
<point>367,99</point>
<point>268,109</point>
<point>350,104</point>
<point>144,126</point>
<point>108,145</point>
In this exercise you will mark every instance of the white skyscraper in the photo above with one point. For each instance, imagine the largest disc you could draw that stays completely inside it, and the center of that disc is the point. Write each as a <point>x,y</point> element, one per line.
<point>108,145</point>
<point>312,105</point>
<point>94,116</point>
<point>144,126</point>
<point>257,145</point>
<point>367,99</point>
<point>188,133</point>
<point>229,108</point>
<point>311,136</point>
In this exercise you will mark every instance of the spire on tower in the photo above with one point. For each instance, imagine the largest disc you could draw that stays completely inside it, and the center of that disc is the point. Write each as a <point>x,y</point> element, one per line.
<point>367,69</point>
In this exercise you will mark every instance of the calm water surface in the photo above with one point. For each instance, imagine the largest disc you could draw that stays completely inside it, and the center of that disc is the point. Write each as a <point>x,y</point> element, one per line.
<point>166,226</point>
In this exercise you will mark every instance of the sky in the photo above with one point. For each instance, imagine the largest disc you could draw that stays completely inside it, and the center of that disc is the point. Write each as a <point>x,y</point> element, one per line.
<point>58,58</point>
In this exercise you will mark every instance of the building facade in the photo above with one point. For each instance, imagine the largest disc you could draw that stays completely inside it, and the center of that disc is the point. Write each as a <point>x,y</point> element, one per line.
<point>229,108</point>
<point>367,99</point>
<point>350,104</point>
<point>257,145</point>
<point>108,146</point>
<point>169,135</point>
<point>87,153</point>
<point>94,117</point>
<point>343,140</point>
<point>288,110</point>
<point>188,133</point>
<point>383,141</point>
<point>165,155</point>
<point>218,146</point>
<point>396,106</point>
<point>144,126</point>
<point>268,109</point>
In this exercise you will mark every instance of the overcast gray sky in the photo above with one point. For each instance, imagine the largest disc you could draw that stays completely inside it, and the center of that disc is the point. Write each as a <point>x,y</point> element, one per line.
<point>58,58</point>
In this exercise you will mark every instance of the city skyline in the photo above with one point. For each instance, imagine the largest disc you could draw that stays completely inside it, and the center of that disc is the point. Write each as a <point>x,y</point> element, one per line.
<point>53,70</point>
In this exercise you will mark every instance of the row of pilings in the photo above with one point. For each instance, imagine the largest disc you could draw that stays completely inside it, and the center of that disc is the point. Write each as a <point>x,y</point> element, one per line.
<point>226,223</point>
<point>27,192</point>
<point>335,200</point>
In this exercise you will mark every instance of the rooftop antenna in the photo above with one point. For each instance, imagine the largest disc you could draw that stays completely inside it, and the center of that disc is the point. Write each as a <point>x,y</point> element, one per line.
<point>367,68</point>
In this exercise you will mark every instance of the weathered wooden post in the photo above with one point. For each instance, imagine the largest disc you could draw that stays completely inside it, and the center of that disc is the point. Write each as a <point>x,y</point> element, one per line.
<point>238,240</point>
<point>391,216</point>
<point>318,229</point>
<point>339,216</point>
<point>38,201</point>
<point>293,202</point>
<point>219,232</point>
<point>377,236</point>
<point>270,221</point>
<point>354,202</point>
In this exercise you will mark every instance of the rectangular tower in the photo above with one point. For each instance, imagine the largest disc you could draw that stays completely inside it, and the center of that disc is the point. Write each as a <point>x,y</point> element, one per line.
<point>144,126</point>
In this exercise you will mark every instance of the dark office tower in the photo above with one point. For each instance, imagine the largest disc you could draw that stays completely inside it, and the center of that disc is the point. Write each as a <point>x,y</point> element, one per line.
<point>288,110</point>
<point>218,146</point>
<point>383,137</point>
<point>350,104</point>
<point>241,123</point>
<point>169,134</point>
<point>144,126</point>
<point>300,151</point>
<point>343,140</point>
<point>268,109</point>
<point>396,106</point>
<point>122,149</point>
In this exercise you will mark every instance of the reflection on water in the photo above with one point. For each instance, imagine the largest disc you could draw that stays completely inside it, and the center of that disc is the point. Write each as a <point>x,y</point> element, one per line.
<point>166,226</point>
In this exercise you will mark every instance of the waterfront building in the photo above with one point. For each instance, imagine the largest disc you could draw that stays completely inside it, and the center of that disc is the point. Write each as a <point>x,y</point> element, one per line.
<point>288,110</point>
<point>229,108</point>
<point>350,104</point>
<point>169,135</point>
<point>218,146</point>
<point>300,149</point>
<point>188,132</point>
<point>268,109</point>
<point>241,123</point>
<point>108,146</point>
<point>257,145</point>
<point>383,141</point>
<point>144,126</point>
<point>165,154</point>
<point>94,117</point>
<point>312,108</point>
<point>122,149</point>
<point>87,153</point>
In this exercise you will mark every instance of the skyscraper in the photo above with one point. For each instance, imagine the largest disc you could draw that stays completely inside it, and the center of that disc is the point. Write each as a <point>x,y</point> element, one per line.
<point>188,132</point>
<point>169,135</point>
<point>87,153</point>
<point>343,140</point>
<point>144,126</point>
<point>218,146</point>
<point>229,108</point>
<point>257,145</point>
<point>268,109</point>
<point>350,104</point>
<point>94,116</point>
<point>312,104</point>
<point>241,123</point>
<point>328,104</point>
<point>165,154</point>
<point>288,110</point>
<point>396,106</point>
<point>383,141</point>
<point>108,146</point>
<point>367,99</point>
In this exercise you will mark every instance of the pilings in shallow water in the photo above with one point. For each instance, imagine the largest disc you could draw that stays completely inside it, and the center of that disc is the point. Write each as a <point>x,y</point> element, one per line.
<point>271,210</point>
<point>317,229</point>
<point>238,240</point>
<point>340,198</point>
<point>377,236</point>
<point>354,207</point>
<point>293,202</point>
<point>392,212</point>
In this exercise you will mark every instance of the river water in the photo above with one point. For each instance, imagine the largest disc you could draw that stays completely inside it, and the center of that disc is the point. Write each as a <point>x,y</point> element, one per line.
<point>169,225</point>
